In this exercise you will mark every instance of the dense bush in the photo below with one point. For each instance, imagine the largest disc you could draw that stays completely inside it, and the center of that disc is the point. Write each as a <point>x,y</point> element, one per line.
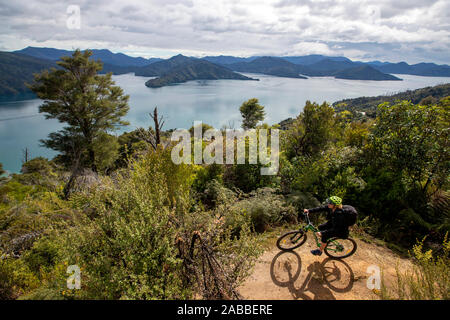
<point>37,165</point>
<point>310,133</point>
<point>130,143</point>
<point>15,277</point>
<point>406,163</point>
<point>137,246</point>
<point>262,209</point>
<point>393,169</point>
<point>247,177</point>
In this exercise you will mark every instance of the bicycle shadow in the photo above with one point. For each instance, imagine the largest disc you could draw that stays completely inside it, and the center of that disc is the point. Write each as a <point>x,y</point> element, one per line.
<point>323,278</point>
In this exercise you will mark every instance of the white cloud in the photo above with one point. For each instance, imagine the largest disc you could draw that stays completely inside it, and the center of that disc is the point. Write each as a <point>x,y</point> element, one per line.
<point>419,30</point>
<point>304,48</point>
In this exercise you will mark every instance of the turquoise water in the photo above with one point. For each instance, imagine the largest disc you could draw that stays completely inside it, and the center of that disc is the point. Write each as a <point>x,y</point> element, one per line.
<point>215,102</point>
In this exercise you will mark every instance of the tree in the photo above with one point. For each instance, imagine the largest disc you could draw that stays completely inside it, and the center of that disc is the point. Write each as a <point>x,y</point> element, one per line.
<point>205,127</point>
<point>2,172</point>
<point>252,113</point>
<point>405,162</point>
<point>413,140</point>
<point>153,136</point>
<point>158,126</point>
<point>311,131</point>
<point>26,155</point>
<point>37,165</point>
<point>131,143</point>
<point>107,148</point>
<point>90,105</point>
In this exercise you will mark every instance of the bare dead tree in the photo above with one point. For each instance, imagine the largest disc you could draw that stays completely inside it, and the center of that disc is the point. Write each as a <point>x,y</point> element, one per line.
<point>203,270</point>
<point>153,138</point>
<point>158,125</point>
<point>26,155</point>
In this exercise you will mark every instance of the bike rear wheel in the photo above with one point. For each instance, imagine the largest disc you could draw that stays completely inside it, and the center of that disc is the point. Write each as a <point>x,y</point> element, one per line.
<point>340,248</point>
<point>291,240</point>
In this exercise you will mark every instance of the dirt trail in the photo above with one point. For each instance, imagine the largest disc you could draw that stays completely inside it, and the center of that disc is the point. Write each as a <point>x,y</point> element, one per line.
<point>301,275</point>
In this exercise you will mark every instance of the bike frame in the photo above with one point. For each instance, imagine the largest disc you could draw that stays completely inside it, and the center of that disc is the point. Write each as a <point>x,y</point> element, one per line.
<point>314,229</point>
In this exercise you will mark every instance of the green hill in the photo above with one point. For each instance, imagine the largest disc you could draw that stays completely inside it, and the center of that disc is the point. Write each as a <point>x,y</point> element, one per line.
<point>16,69</point>
<point>106,56</point>
<point>364,73</point>
<point>163,67</point>
<point>369,104</point>
<point>194,70</point>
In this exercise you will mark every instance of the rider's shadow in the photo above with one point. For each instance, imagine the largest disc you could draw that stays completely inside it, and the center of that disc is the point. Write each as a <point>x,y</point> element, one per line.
<point>332,275</point>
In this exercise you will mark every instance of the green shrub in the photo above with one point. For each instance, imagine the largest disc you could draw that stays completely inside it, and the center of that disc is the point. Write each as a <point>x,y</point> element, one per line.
<point>247,177</point>
<point>429,279</point>
<point>15,277</point>
<point>37,165</point>
<point>106,151</point>
<point>22,222</point>
<point>205,174</point>
<point>137,242</point>
<point>16,191</point>
<point>43,256</point>
<point>216,194</point>
<point>262,209</point>
<point>128,251</point>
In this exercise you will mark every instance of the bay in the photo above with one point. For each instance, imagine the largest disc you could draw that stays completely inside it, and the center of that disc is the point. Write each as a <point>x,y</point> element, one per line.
<point>215,102</point>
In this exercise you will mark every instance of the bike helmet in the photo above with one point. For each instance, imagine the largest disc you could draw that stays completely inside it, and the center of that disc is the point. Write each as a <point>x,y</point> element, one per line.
<point>334,200</point>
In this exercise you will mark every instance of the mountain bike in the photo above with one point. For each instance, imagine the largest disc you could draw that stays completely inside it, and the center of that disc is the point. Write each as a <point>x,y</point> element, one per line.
<point>336,247</point>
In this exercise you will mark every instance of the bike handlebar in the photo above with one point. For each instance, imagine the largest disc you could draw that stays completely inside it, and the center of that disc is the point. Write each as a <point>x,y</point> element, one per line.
<point>306,215</point>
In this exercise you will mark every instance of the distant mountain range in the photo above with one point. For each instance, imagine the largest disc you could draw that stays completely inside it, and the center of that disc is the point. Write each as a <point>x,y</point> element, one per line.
<point>268,65</point>
<point>420,69</point>
<point>177,69</point>
<point>18,66</point>
<point>332,67</point>
<point>318,65</point>
<point>107,57</point>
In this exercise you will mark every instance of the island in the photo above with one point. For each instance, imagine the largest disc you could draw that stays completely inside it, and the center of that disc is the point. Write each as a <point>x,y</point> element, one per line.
<point>194,69</point>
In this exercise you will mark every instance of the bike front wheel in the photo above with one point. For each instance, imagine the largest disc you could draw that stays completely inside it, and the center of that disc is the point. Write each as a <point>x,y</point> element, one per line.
<point>340,248</point>
<point>291,240</point>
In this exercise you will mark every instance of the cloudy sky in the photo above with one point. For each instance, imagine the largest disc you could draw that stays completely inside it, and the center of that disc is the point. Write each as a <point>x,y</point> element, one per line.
<point>387,30</point>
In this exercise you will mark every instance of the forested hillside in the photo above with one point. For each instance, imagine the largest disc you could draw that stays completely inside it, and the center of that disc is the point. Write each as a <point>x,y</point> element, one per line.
<point>428,95</point>
<point>16,70</point>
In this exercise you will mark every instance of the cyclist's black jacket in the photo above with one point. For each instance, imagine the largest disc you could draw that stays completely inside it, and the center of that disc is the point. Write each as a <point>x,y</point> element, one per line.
<point>336,221</point>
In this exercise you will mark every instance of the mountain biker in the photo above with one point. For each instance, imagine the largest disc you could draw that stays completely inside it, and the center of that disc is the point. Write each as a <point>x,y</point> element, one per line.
<point>336,225</point>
